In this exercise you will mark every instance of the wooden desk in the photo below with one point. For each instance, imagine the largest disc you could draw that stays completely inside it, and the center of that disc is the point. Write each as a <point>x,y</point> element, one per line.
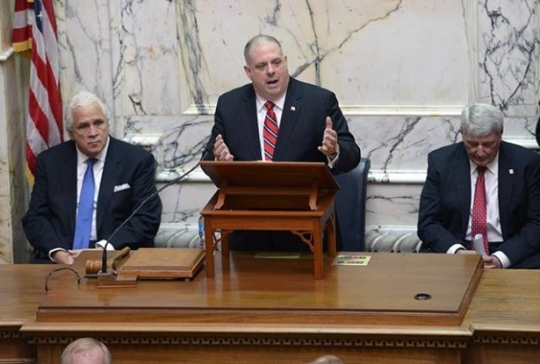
<point>505,318</point>
<point>270,311</point>
<point>21,286</point>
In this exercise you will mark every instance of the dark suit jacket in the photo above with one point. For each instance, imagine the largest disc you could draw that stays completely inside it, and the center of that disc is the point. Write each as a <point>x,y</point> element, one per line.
<point>446,198</point>
<point>300,133</point>
<point>50,220</point>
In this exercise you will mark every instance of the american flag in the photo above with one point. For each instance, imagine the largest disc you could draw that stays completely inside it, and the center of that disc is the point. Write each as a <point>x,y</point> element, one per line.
<point>34,29</point>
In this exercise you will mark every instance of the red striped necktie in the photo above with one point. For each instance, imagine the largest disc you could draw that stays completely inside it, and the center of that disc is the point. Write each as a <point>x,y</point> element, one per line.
<point>479,213</point>
<point>270,131</point>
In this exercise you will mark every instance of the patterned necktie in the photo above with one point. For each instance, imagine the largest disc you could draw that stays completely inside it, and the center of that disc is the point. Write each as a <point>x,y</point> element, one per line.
<point>83,225</point>
<point>479,213</point>
<point>270,131</point>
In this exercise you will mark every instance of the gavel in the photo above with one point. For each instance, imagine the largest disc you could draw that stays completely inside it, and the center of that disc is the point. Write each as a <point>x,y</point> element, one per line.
<point>94,266</point>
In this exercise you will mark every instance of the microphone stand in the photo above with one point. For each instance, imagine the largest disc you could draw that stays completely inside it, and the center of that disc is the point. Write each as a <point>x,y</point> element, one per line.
<point>108,278</point>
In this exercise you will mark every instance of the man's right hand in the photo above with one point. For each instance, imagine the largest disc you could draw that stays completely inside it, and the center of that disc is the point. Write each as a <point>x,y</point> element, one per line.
<point>221,151</point>
<point>65,257</point>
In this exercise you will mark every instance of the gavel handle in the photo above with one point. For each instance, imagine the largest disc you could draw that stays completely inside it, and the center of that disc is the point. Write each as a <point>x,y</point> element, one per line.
<point>118,258</point>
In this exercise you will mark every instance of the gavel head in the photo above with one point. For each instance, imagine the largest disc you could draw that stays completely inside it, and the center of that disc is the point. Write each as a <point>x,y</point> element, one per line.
<point>94,266</point>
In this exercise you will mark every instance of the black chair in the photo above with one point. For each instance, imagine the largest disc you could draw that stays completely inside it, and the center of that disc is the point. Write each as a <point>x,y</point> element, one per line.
<point>351,207</point>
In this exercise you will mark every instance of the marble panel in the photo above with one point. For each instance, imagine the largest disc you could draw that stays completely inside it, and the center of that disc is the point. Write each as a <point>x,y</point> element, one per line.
<point>370,51</point>
<point>507,55</point>
<point>5,198</point>
<point>12,183</point>
<point>84,34</point>
<point>183,202</point>
<point>402,70</point>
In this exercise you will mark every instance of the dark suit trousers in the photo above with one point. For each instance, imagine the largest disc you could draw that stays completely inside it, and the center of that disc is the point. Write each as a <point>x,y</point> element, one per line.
<point>278,241</point>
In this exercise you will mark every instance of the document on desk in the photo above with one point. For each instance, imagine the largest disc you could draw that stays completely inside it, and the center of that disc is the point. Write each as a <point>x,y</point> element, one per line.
<point>478,243</point>
<point>351,259</point>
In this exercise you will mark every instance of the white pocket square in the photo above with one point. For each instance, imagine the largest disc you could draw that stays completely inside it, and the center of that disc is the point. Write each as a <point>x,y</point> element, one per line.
<point>125,186</point>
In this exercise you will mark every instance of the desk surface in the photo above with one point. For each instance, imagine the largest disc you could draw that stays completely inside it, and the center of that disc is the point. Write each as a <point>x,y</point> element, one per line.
<point>281,290</point>
<point>21,287</point>
<point>506,300</point>
<point>503,297</point>
<point>239,308</point>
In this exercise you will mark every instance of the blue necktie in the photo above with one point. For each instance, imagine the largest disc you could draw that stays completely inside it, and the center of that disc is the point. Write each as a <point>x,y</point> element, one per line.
<point>86,208</point>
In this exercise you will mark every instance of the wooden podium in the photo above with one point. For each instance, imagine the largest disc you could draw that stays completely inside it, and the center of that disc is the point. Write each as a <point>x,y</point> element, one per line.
<point>293,196</point>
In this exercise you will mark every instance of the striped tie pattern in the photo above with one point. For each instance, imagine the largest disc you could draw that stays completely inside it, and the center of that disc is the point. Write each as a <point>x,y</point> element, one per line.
<point>270,131</point>
<point>479,213</point>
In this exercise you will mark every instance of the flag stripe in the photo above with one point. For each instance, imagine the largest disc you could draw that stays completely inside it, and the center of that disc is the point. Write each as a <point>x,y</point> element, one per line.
<point>42,87</point>
<point>35,28</point>
<point>22,28</point>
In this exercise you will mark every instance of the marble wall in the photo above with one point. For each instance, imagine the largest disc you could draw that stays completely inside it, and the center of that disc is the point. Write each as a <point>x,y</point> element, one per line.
<point>402,70</point>
<point>13,191</point>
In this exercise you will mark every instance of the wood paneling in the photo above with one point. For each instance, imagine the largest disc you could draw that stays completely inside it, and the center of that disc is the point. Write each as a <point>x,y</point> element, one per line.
<point>272,310</point>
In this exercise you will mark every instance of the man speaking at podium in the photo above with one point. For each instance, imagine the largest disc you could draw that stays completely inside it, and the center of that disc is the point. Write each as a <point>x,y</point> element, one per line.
<point>86,187</point>
<point>278,118</point>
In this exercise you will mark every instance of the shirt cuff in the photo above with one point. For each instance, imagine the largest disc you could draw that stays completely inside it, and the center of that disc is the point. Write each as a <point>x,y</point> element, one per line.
<point>55,250</point>
<point>332,161</point>
<point>101,244</point>
<point>503,259</point>
<point>454,248</point>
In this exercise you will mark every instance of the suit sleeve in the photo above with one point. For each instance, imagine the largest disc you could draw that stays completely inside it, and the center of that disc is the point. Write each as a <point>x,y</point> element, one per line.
<point>142,227</point>
<point>431,217</point>
<point>37,222</point>
<point>349,152</point>
<point>526,241</point>
<point>217,128</point>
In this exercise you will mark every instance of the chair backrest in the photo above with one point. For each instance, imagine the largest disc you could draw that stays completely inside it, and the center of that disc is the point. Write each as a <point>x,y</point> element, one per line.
<point>351,207</point>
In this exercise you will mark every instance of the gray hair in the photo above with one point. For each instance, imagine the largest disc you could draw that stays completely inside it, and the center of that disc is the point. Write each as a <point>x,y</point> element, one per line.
<point>481,120</point>
<point>85,344</point>
<point>257,40</point>
<point>83,99</point>
<point>327,359</point>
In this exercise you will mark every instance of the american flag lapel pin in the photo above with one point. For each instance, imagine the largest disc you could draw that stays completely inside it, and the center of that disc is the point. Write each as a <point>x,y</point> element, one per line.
<point>511,171</point>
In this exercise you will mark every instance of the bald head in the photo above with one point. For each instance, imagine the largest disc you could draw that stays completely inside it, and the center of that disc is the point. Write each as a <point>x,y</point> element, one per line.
<point>257,41</point>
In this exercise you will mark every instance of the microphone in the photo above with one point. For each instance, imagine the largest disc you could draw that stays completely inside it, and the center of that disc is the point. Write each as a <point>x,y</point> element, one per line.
<point>206,151</point>
<point>152,195</point>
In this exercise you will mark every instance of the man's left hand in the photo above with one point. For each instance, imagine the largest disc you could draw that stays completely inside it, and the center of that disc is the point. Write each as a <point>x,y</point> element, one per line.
<point>329,146</point>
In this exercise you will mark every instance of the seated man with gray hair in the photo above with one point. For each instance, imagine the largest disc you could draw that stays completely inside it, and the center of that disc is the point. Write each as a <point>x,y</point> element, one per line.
<point>86,350</point>
<point>87,187</point>
<point>483,189</point>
